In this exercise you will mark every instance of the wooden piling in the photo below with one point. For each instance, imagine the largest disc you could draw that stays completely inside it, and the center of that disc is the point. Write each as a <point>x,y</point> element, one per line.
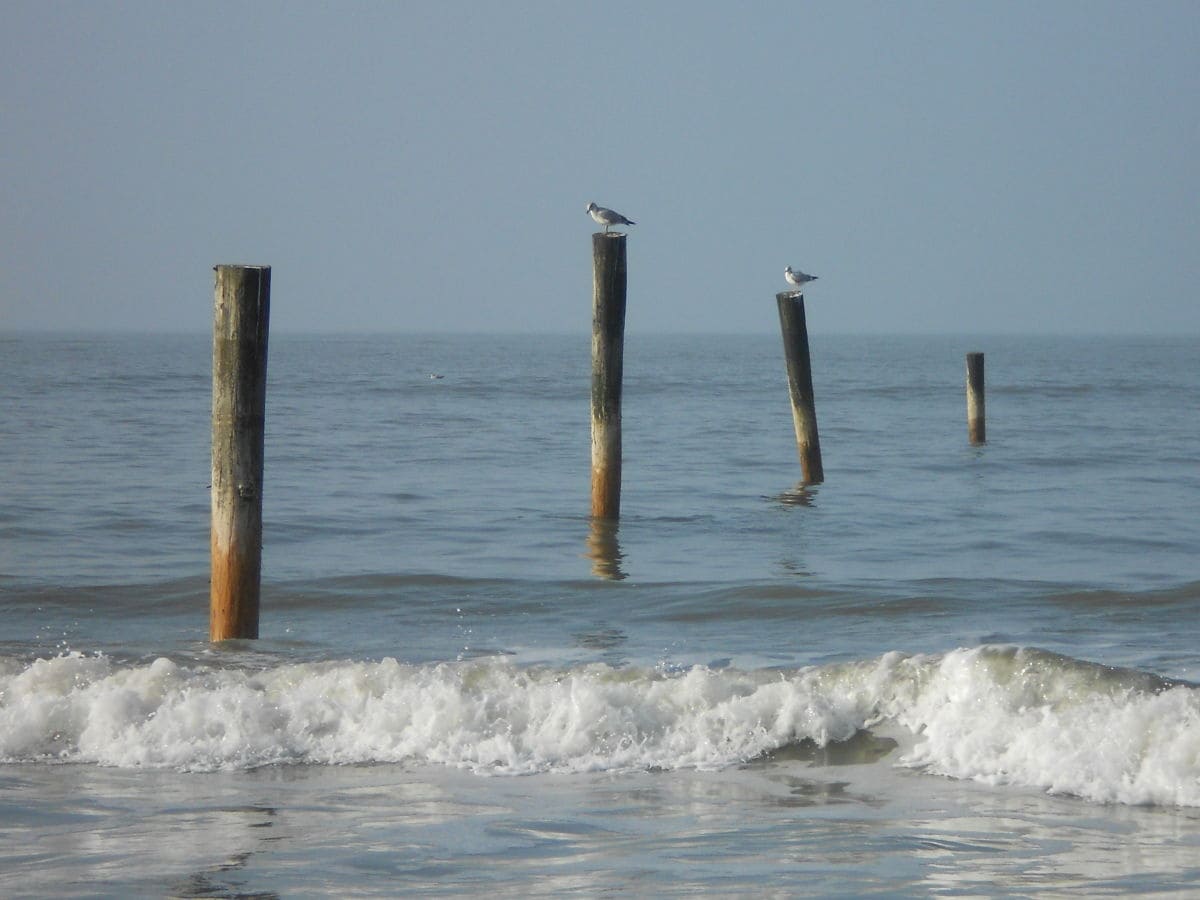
<point>976,417</point>
<point>800,387</point>
<point>242,311</point>
<point>608,355</point>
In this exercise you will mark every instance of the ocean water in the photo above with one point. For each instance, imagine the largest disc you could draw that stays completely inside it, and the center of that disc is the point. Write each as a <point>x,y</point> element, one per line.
<point>948,670</point>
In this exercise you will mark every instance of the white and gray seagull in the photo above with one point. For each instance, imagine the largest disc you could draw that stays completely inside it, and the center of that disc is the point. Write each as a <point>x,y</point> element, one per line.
<point>607,217</point>
<point>799,279</point>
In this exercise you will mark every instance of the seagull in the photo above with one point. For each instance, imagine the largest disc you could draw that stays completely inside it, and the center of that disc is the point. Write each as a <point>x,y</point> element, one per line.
<point>799,279</point>
<point>607,217</point>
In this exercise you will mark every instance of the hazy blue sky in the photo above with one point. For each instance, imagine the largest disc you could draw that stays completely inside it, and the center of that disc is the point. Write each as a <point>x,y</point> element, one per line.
<point>943,167</point>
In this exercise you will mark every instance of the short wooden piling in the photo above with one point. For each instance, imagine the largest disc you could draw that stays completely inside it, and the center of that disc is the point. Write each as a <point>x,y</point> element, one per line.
<point>976,417</point>
<point>242,312</point>
<point>800,387</point>
<point>608,355</point>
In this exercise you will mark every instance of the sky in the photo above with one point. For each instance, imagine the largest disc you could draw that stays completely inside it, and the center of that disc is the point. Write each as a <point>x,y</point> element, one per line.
<point>943,167</point>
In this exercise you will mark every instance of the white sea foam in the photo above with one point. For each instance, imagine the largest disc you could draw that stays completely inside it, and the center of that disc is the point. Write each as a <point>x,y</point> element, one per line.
<point>1034,718</point>
<point>998,715</point>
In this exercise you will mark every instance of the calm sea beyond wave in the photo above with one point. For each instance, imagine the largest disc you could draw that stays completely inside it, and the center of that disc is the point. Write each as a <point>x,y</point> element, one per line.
<point>947,670</point>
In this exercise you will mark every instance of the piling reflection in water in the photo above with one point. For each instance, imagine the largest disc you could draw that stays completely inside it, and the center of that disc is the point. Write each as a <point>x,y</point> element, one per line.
<point>604,550</point>
<point>803,494</point>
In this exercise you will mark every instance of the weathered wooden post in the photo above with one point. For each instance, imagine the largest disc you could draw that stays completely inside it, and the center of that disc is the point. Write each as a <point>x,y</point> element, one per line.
<point>242,311</point>
<point>608,359</point>
<point>800,387</point>
<point>976,418</point>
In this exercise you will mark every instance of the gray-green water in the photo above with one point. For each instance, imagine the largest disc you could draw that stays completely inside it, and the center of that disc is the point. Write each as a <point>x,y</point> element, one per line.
<point>947,669</point>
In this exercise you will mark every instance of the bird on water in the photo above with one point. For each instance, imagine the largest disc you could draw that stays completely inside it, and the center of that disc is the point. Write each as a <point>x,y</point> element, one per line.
<point>607,217</point>
<point>799,279</point>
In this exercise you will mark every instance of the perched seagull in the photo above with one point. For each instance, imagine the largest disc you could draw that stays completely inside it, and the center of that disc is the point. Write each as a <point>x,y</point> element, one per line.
<point>799,279</point>
<point>607,217</point>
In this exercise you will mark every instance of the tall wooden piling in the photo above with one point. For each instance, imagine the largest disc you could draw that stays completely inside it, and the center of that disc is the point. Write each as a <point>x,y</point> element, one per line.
<point>608,360</point>
<point>976,418</point>
<point>242,310</point>
<point>800,387</point>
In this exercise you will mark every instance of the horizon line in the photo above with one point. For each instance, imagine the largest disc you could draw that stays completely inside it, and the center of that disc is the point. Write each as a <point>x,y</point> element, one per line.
<point>8,332</point>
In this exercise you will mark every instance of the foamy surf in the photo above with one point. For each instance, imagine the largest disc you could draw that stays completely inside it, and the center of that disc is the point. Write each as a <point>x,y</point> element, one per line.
<point>992,714</point>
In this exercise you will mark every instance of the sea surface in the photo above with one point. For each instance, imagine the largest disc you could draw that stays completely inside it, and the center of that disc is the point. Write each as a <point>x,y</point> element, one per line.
<point>946,671</point>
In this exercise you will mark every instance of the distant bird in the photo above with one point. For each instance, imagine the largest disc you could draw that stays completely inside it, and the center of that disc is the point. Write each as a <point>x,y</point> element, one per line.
<point>435,376</point>
<point>799,279</point>
<point>607,217</point>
